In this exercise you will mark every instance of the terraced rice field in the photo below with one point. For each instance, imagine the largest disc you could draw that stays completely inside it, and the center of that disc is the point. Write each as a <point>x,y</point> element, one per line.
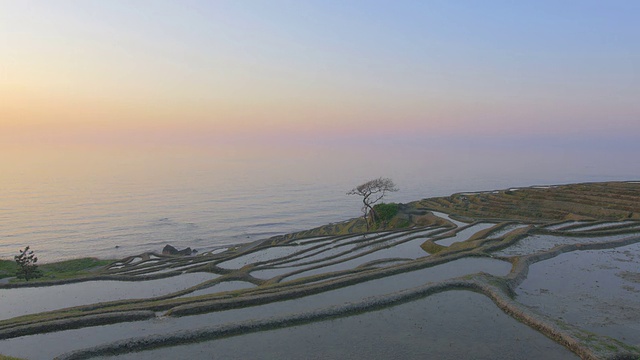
<point>470,269</point>
<point>589,201</point>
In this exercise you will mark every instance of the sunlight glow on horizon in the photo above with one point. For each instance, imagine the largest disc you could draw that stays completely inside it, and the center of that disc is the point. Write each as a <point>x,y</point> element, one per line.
<point>180,72</point>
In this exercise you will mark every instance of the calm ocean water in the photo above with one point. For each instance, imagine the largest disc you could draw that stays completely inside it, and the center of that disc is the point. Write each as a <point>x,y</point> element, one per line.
<point>112,204</point>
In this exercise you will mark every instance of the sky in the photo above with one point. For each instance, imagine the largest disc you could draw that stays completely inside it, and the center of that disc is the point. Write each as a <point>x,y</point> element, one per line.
<point>208,72</point>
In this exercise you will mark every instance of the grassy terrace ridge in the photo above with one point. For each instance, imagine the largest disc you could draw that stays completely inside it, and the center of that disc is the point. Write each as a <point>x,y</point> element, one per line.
<point>66,269</point>
<point>2,357</point>
<point>585,201</point>
<point>491,221</point>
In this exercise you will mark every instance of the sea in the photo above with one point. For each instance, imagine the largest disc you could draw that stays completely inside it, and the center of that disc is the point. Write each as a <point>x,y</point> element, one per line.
<point>112,202</point>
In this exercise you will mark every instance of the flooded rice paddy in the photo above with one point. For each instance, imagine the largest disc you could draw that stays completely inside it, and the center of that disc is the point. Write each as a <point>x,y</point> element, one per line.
<point>504,295</point>
<point>464,234</point>
<point>24,301</point>
<point>540,243</point>
<point>450,325</point>
<point>598,290</point>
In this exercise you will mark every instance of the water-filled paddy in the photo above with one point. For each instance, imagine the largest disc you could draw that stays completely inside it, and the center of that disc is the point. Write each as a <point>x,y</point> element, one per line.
<point>65,341</point>
<point>335,251</point>
<point>565,224</point>
<point>448,217</point>
<point>605,225</point>
<point>598,290</point>
<point>23,301</point>
<point>415,278</point>
<point>316,255</point>
<point>538,243</point>
<point>310,240</point>
<point>505,230</point>
<point>464,234</point>
<point>223,286</point>
<point>393,239</point>
<point>450,325</point>
<point>270,253</point>
<point>407,250</point>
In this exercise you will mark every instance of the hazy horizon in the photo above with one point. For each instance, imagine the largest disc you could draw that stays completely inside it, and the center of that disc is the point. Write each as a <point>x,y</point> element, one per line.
<point>199,73</point>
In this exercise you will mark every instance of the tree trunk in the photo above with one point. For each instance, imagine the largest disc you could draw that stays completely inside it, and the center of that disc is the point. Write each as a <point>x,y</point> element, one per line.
<point>367,210</point>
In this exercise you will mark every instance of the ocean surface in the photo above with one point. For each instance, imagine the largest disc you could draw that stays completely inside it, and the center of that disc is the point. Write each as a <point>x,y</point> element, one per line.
<point>106,203</point>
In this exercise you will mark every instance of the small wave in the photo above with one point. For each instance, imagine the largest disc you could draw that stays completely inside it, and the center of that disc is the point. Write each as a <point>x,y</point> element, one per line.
<point>257,235</point>
<point>268,224</point>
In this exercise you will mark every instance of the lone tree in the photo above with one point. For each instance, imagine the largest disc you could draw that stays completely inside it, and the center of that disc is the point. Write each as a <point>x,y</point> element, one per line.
<point>27,268</point>
<point>372,191</point>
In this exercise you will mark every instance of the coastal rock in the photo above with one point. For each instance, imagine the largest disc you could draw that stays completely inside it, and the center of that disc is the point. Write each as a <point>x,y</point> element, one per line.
<point>170,250</point>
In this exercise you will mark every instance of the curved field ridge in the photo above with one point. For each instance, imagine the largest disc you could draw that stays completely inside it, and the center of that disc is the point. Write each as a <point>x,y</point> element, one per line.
<point>362,273</point>
<point>589,201</point>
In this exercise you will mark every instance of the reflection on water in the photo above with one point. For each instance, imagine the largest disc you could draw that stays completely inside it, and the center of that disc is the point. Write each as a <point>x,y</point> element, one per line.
<point>598,290</point>
<point>450,325</point>
<point>68,340</point>
<point>463,235</point>
<point>539,243</point>
<point>23,301</point>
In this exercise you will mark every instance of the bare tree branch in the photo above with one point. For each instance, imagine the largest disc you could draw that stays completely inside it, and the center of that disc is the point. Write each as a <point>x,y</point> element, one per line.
<point>376,186</point>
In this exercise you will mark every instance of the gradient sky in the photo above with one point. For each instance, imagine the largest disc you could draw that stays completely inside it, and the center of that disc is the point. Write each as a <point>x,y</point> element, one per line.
<point>213,71</point>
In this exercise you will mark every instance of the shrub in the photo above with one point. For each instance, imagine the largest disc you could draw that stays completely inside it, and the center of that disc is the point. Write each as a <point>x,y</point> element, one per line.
<point>385,212</point>
<point>27,268</point>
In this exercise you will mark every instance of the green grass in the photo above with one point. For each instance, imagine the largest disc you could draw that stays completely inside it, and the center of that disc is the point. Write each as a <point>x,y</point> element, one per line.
<point>58,270</point>
<point>3,357</point>
<point>386,212</point>
<point>432,248</point>
<point>402,224</point>
<point>71,268</point>
<point>8,268</point>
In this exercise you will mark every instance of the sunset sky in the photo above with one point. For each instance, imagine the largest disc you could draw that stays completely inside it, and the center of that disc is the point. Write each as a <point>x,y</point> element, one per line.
<point>200,72</point>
